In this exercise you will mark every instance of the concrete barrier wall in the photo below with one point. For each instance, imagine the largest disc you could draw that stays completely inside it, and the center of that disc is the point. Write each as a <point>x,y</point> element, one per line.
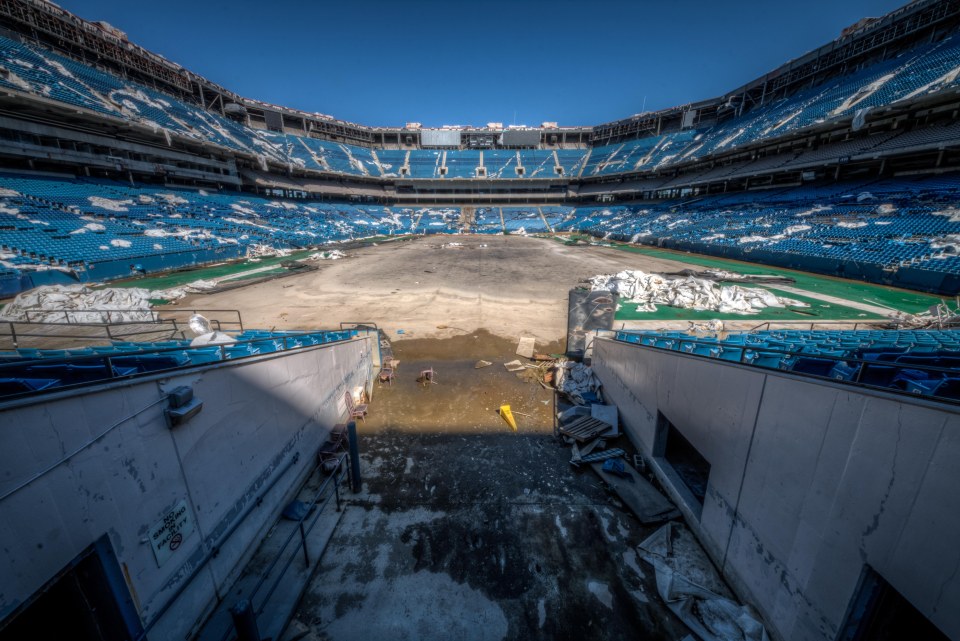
<point>809,482</point>
<point>70,487</point>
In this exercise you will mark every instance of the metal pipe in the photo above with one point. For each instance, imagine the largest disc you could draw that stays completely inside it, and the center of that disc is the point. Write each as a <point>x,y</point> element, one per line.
<point>355,481</point>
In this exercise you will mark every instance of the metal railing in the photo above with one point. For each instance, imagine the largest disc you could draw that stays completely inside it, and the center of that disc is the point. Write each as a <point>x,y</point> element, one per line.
<point>15,330</point>
<point>860,366</point>
<point>329,489</point>
<point>233,322</point>
<point>769,325</point>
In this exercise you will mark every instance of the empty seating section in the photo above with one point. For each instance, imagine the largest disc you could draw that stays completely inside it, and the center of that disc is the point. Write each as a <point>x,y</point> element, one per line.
<point>425,163</point>
<point>928,68</point>
<point>571,161</point>
<point>904,227</point>
<point>391,161</point>
<point>500,163</point>
<point>925,362</point>
<point>486,220</point>
<point>31,370</point>
<point>104,229</point>
<point>462,164</point>
<point>522,220</point>
<point>538,163</point>
<point>436,220</point>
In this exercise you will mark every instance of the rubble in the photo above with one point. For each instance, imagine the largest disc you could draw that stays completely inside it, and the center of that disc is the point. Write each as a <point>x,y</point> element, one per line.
<point>575,380</point>
<point>939,316</point>
<point>691,588</point>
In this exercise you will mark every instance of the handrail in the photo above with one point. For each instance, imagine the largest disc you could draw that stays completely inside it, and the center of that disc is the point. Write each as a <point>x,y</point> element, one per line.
<point>109,333</point>
<point>862,364</point>
<point>315,505</point>
<point>214,547</point>
<point>68,312</point>
<point>856,325</point>
<point>238,322</point>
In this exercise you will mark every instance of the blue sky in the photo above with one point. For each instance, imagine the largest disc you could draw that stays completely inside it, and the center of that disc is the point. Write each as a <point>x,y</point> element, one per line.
<point>384,63</point>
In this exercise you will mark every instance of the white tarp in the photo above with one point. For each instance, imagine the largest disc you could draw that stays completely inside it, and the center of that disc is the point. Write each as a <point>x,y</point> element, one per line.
<point>650,290</point>
<point>72,303</point>
<point>82,304</point>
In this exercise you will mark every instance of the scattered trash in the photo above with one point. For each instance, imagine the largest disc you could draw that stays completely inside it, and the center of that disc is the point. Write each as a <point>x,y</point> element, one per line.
<point>576,380</point>
<point>636,492</point>
<point>263,251</point>
<point>706,326</point>
<point>480,364</point>
<point>616,467</point>
<point>296,510</point>
<point>514,366</point>
<point>939,316</point>
<point>400,331</point>
<point>614,452</point>
<point>607,414</point>
<point>690,587</point>
<point>525,347</point>
<point>585,428</point>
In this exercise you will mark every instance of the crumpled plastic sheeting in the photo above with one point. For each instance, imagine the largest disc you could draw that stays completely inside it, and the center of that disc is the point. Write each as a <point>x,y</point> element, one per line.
<point>57,303</point>
<point>650,290</point>
<point>575,379</point>
<point>73,303</point>
<point>688,584</point>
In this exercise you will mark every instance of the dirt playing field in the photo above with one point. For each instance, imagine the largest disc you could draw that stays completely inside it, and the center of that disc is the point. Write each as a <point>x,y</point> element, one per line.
<point>511,286</point>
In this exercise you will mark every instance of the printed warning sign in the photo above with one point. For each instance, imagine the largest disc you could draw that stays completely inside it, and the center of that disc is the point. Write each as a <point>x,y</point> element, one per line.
<point>167,534</point>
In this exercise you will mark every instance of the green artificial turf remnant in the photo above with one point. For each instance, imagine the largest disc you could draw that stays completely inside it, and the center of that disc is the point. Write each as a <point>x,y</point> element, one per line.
<point>177,279</point>
<point>852,290</point>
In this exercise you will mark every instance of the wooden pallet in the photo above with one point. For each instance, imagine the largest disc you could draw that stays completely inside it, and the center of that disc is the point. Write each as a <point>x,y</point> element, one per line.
<point>585,428</point>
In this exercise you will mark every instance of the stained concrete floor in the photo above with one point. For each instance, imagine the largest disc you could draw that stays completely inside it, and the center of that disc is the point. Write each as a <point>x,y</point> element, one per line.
<point>467,530</point>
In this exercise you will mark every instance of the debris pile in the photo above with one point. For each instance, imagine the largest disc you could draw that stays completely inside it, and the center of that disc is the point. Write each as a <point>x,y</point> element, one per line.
<point>259,250</point>
<point>577,381</point>
<point>692,589</point>
<point>333,254</point>
<point>939,316</point>
<point>687,292</point>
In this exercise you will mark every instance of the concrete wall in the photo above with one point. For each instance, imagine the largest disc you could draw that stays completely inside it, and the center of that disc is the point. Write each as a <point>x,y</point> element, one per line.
<point>809,481</point>
<point>70,487</point>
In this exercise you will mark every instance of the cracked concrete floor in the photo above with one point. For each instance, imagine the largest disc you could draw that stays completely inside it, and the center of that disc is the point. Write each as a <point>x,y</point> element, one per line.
<point>466,530</point>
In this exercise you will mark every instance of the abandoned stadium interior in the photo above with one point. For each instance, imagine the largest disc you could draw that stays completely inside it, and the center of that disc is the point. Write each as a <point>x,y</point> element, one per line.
<point>271,374</point>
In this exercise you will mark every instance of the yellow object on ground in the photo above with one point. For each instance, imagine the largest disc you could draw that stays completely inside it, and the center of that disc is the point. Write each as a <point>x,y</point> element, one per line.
<point>507,415</point>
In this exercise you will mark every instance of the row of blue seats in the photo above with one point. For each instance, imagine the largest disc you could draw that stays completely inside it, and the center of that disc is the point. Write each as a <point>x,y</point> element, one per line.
<point>28,370</point>
<point>920,362</point>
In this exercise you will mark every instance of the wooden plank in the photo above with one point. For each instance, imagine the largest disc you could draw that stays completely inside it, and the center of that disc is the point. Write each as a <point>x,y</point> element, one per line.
<point>585,428</point>
<point>640,496</point>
